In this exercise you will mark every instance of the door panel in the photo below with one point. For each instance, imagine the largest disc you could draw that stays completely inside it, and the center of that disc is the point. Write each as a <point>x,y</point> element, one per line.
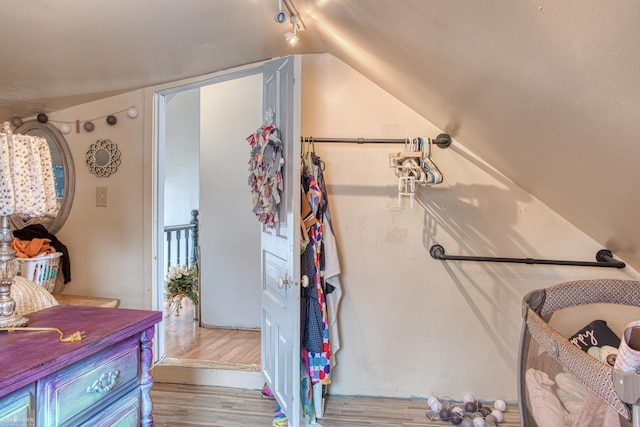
<point>280,256</point>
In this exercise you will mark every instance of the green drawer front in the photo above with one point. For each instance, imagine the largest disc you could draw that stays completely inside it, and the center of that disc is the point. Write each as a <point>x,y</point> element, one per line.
<point>86,386</point>
<point>124,413</point>
<point>18,408</point>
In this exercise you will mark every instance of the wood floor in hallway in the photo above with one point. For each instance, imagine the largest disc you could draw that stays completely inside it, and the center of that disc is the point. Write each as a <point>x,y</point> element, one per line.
<point>185,340</point>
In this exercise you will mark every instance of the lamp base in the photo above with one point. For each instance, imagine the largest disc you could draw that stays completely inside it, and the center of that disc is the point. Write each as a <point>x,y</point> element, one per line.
<point>8,270</point>
<point>14,320</point>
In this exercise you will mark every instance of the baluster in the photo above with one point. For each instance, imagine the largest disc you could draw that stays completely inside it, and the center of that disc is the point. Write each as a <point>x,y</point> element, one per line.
<point>168,233</point>
<point>186,249</point>
<point>194,235</point>
<point>178,239</point>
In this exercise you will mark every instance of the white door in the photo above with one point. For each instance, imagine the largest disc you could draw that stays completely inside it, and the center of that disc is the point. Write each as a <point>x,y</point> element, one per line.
<point>280,254</point>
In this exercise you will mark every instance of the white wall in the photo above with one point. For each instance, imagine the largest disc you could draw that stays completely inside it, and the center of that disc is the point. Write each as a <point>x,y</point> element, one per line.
<point>182,157</point>
<point>229,231</point>
<point>411,325</point>
<point>106,243</point>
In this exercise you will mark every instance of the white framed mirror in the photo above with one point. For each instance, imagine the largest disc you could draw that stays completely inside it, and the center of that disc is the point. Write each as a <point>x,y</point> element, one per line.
<point>63,172</point>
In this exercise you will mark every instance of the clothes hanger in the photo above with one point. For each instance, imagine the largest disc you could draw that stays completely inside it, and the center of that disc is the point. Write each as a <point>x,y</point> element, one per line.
<point>315,159</point>
<point>304,156</point>
<point>430,168</point>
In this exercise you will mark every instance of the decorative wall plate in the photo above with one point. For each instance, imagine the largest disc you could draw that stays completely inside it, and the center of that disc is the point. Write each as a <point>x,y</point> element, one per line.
<point>103,158</point>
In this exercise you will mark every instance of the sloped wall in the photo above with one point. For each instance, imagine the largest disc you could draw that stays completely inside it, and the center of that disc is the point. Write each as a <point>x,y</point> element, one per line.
<point>411,325</point>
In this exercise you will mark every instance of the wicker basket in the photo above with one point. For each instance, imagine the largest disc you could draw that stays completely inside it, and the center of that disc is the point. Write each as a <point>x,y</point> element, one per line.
<point>41,270</point>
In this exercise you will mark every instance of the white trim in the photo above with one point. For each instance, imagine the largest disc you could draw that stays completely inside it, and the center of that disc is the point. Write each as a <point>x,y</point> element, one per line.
<point>153,180</point>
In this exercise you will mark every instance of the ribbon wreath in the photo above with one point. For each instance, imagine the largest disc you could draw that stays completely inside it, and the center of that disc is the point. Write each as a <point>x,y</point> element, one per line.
<point>265,173</point>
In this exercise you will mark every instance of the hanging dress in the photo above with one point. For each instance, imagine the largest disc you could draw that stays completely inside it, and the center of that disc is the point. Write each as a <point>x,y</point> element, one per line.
<point>317,325</point>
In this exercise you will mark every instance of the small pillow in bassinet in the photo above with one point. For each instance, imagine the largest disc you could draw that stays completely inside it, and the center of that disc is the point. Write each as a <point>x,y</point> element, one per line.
<point>30,297</point>
<point>595,334</point>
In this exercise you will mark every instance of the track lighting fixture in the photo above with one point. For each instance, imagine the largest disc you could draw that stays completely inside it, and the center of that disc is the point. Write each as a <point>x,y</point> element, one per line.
<point>287,8</point>
<point>292,37</point>
<point>280,17</point>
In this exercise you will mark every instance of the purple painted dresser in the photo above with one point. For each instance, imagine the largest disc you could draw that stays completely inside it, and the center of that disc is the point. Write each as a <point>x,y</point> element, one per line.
<point>102,380</point>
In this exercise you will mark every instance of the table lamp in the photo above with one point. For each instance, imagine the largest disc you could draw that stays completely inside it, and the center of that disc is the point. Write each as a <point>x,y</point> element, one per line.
<point>27,188</point>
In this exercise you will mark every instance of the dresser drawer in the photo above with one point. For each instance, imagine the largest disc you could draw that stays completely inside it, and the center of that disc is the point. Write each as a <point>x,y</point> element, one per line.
<point>78,391</point>
<point>18,408</point>
<point>123,413</point>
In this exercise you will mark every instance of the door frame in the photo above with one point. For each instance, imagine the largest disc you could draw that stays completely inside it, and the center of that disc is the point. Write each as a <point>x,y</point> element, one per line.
<point>154,140</point>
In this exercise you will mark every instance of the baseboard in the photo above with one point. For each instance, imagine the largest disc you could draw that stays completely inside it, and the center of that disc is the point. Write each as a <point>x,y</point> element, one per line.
<point>199,372</point>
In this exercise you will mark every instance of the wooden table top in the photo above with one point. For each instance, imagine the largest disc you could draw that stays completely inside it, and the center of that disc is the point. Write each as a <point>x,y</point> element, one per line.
<point>29,356</point>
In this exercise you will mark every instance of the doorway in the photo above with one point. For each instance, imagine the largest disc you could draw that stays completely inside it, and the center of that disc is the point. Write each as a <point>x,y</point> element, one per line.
<point>204,159</point>
<point>279,281</point>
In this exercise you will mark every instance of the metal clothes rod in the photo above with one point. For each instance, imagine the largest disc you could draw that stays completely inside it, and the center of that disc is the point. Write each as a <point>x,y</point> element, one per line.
<point>604,258</point>
<point>443,140</point>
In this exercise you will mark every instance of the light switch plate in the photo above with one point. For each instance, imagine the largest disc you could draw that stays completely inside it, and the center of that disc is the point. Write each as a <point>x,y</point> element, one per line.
<point>101,197</point>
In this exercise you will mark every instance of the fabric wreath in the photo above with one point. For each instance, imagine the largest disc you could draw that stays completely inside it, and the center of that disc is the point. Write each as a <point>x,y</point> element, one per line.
<point>265,173</point>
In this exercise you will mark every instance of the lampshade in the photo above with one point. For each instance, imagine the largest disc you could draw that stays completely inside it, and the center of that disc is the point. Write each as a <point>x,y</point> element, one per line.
<point>27,185</point>
<point>27,188</point>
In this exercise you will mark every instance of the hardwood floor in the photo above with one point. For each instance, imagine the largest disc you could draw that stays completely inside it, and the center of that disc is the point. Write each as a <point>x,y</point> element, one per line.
<point>185,340</point>
<point>186,405</point>
<point>179,405</point>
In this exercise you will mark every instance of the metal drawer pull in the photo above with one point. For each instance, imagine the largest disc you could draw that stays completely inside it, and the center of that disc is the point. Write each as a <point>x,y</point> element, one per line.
<point>105,383</point>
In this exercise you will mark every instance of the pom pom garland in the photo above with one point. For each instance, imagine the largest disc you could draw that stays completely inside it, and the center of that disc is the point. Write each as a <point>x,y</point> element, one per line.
<point>65,128</point>
<point>88,126</point>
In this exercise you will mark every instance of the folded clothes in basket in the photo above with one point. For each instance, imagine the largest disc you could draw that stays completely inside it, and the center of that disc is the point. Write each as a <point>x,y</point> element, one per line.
<point>32,248</point>
<point>38,231</point>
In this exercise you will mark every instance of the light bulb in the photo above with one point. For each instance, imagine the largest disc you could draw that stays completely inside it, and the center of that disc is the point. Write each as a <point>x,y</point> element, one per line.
<point>291,38</point>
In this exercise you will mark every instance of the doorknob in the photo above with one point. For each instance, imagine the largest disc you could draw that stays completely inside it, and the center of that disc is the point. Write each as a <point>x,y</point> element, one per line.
<point>282,282</point>
<point>305,281</point>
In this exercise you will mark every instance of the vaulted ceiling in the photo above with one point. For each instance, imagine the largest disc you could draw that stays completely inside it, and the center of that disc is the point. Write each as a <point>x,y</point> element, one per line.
<point>547,92</point>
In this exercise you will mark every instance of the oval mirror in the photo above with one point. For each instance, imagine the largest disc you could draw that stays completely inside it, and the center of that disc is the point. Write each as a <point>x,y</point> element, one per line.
<point>63,172</point>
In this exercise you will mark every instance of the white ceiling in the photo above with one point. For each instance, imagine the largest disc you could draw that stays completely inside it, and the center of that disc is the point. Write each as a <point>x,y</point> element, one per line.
<point>547,92</point>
